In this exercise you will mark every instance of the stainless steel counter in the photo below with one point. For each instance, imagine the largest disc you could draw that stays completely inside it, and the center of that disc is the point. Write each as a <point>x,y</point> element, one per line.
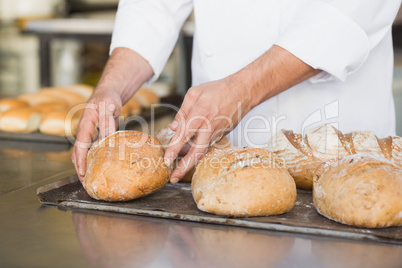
<point>32,235</point>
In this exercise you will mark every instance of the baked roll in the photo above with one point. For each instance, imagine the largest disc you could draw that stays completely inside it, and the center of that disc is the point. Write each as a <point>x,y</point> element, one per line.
<point>23,120</point>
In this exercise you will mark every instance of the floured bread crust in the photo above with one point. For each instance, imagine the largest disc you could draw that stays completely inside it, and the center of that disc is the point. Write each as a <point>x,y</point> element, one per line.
<point>124,166</point>
<point>360,190</point>
<point>297,155</point>
<point>326,144</point>
<point>243,182</point>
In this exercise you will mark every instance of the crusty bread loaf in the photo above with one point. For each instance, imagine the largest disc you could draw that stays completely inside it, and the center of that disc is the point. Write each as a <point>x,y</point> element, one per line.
<point>8,104</point>
<point>58,123</point>
<point>124,166</point>
<point>326,143</point>
<point>146,97</point>
<point>297,155</point>
<point>165,135</point>
<point>360,190</point>
<point>24,120</point>
<point>243,182</point>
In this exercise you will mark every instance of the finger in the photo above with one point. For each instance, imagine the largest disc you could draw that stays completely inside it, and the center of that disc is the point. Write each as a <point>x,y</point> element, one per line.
<point>197,151</point>
<point>178,119</point>
<point>182,136</point>
<point>86,133</point>
<point>107,119</point>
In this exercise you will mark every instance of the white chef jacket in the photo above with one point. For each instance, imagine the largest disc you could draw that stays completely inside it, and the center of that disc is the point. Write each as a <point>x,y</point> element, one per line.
<point>350,40</point>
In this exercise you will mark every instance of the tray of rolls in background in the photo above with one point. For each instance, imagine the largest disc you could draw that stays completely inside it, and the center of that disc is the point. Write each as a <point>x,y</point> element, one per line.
<point>52,114</point>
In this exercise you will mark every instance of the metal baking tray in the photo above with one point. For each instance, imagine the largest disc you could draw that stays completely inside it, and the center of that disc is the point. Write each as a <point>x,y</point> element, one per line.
<point>176,202</point>
<point>166,107</point>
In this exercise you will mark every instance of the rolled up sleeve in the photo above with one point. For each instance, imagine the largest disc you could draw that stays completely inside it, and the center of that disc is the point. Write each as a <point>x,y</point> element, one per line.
<point>337,36</point>
<point>150,28</point>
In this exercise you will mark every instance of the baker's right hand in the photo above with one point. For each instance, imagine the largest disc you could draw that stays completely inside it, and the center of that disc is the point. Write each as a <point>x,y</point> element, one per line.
<point>99,119</point>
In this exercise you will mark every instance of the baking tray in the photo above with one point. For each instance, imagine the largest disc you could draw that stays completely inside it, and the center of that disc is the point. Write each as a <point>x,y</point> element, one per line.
<point>176,202</point>
<point>167,106</point>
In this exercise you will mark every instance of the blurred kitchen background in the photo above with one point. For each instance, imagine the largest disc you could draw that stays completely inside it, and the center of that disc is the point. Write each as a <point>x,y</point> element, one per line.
<point>60,42</point>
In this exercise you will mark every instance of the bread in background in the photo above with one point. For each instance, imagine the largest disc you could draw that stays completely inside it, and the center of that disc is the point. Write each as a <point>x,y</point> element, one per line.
<point>9,103</point>
<point>25,120</point>
<point>70,97</point>
<point>146,97</point>
<point>35,99</point>
<point>45,108</point>
<point>60,123</point>
<point>134,106</point>
<point>84,91</point>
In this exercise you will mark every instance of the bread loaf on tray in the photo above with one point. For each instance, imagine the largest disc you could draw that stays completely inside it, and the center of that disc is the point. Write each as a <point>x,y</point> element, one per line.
<point>243,182</point>
<point>124,166</point>
<point>360,190</point>
<point>325,143</point>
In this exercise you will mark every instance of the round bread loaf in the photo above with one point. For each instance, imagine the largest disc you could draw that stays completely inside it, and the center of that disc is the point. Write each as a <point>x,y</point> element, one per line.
<point>124,166</point>
<point>243,182</point>
<point>360,190</point>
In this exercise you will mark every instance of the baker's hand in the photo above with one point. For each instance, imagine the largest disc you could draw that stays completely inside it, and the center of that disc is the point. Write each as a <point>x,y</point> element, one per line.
<point>208,112</point>
<point>99,119</point>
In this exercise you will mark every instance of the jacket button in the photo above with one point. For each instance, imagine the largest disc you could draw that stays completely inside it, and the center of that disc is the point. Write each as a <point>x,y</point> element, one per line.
<point>209,53</point>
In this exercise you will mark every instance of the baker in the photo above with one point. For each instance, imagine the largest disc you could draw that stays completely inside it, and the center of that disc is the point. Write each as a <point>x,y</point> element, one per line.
<point>258,66</point>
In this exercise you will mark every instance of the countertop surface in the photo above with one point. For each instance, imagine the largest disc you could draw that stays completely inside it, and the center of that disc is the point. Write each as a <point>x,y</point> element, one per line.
<point>35,235</point>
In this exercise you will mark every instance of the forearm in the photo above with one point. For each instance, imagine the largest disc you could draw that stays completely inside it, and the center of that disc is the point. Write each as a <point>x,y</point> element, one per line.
<point>272,73</point>
<point>124,73</point>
